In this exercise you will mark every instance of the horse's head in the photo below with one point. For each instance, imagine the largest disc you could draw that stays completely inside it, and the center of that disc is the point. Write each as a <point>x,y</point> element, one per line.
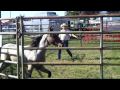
<point>48,39</point>
<point>54,38</point>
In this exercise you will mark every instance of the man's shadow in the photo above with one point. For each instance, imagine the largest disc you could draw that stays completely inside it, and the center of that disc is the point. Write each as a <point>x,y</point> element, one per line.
<point>79,57</point>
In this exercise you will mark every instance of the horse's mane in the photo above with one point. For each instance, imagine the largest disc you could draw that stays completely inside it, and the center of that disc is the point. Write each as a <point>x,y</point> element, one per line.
<point>35,41</point>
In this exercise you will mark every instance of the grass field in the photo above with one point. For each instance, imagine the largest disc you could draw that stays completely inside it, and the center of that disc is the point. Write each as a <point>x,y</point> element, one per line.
<point>82,56</point>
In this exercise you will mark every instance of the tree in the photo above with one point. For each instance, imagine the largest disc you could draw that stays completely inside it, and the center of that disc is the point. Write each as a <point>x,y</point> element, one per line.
<point>68,13</point>
<point>86,20</point>
<point>113,12</point>
<point>88,12</point>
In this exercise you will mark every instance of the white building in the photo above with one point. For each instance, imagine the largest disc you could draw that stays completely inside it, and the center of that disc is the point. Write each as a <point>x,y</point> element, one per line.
<point>42,25</point>
<point>109,23</point>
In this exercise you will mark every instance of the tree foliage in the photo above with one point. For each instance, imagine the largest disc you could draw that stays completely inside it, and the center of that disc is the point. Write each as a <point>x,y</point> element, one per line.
<point>68,13</point>
<point>113,12</point>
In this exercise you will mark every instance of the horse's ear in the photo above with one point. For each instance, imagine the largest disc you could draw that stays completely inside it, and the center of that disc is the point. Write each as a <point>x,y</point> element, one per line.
<point>50,28</point>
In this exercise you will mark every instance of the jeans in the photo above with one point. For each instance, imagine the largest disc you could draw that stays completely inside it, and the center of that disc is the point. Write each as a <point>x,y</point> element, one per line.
<point>65,44</point>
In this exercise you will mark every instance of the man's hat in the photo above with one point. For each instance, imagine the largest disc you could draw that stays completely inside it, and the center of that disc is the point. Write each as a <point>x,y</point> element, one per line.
<point>63,25</point>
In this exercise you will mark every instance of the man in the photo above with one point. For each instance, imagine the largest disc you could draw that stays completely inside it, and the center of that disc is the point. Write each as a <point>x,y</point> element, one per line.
<point>65,38</point>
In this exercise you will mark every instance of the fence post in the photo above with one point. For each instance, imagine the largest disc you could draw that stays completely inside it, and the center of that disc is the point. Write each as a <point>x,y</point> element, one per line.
<point>0,31</point>
<point>101,47</point>
<point>22,46</point>
<point>0,35</point>
<point>17,44</point>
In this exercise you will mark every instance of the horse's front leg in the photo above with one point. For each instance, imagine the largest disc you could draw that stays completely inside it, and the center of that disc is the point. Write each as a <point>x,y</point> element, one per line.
<point>43,69</point>
<point>29,71</point>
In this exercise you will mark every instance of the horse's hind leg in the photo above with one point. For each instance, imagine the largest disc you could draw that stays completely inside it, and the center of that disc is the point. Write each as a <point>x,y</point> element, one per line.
<point>39,72</point>
<point>1,67</point>
<point>29,71</point>
<point>2,64</point>
<point>43,69</point>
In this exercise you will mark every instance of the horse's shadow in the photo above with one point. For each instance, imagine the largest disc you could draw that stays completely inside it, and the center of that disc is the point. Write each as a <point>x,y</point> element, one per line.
<point>80,57</point>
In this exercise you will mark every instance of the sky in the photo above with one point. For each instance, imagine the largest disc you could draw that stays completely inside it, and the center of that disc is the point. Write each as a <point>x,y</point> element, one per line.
<point>6,14</point>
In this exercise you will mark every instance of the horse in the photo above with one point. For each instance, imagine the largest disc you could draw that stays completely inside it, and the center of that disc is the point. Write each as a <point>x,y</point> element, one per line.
<point>31,55</point>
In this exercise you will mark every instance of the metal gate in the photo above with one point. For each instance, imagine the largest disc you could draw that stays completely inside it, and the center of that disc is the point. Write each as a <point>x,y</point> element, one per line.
<point>17,44</point>
<point>100,48</point>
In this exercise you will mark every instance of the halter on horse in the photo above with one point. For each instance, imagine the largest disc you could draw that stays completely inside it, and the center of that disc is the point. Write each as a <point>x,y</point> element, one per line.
<point>31,55</point>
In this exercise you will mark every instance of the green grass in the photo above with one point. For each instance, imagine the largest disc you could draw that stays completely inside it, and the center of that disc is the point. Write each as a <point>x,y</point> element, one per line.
<point>82,56</point>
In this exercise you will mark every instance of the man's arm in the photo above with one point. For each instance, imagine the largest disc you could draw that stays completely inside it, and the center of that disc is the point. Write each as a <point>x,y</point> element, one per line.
<point>74,36</point>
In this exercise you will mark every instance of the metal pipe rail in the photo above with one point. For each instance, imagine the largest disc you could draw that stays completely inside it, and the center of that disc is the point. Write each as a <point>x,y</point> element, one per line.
<point>68,63</point>
<point>7,19</point>
<point>15,48</point>
<point>8,61</point>
<point>77,16</point>
<point>60,63</point>
<point>73,48</point>
<point>11,76</point>
<point>34,25</point>
<point>7,33</point>
<point>72,32</point>
<point>9,29</point>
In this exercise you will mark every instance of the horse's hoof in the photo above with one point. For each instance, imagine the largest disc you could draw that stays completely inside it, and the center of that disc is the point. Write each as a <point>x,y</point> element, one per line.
<point>49,74</point>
